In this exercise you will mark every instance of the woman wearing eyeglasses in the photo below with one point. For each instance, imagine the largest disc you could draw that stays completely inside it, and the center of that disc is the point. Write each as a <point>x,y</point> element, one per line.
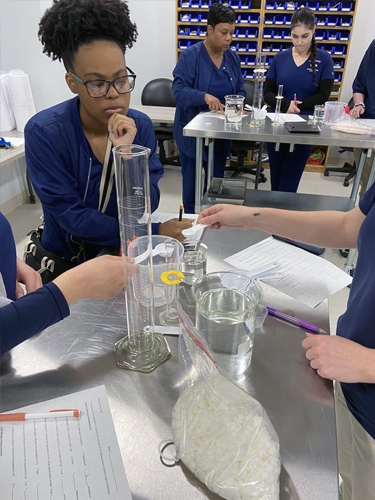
<point>66,144</point>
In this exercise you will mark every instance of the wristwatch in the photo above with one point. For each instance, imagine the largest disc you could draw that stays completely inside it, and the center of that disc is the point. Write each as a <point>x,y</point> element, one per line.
<point>360,104</point>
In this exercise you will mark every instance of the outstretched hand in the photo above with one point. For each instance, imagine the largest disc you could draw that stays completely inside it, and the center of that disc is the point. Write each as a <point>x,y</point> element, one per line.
<point>337,358</point>
<point>224,215</point>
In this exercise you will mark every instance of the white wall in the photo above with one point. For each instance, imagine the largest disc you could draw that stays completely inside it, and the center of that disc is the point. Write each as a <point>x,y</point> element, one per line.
<point>152,56</point>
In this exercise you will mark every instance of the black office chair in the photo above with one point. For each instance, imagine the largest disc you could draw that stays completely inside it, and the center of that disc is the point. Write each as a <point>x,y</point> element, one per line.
<point>350,169</point>
<point>158,92</point>
<point>241,148</point>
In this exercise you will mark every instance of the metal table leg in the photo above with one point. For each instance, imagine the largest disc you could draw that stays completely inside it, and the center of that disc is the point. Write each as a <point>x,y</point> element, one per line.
<point>198,174</point>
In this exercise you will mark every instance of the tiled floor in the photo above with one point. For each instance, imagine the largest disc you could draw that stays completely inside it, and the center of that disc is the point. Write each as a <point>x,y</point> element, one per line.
<point>26,217</point>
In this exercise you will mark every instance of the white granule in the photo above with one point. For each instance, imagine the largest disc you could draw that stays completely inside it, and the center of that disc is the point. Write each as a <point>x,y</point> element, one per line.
<point>226,439</point>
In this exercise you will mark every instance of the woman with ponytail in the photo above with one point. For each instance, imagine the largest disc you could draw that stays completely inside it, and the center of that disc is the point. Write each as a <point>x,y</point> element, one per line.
<point>307,76</point>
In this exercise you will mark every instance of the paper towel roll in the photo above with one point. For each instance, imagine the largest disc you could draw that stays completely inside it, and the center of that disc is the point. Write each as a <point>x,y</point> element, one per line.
<point>22,98</point>
<point>7,120</point>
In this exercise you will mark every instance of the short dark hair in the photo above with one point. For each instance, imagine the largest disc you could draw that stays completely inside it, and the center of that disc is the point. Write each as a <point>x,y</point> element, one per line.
<point>220,13</point>
<point>68,24</point>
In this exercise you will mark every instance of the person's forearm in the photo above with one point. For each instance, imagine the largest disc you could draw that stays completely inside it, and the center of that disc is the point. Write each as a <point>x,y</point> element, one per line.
<point>323,228</point>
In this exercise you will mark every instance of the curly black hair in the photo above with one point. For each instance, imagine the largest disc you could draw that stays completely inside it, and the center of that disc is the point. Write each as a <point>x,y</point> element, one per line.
<point>68,24</point>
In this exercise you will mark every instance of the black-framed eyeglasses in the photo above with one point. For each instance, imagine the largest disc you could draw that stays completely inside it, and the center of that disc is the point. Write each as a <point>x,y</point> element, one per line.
<point>100,88</point>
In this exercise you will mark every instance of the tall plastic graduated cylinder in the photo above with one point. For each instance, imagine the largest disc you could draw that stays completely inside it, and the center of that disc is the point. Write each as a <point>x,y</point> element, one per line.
<point>142,349</point>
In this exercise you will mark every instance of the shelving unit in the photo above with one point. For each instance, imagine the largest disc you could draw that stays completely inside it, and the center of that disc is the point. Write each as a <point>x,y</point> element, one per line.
<point>265,25</point>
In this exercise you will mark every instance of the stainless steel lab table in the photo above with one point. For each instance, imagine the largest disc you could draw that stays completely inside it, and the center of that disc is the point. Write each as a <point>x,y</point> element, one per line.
<point>210,127</point>
<point>77,354</point>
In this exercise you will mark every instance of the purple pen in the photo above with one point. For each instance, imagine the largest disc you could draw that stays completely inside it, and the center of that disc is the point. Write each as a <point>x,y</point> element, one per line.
<point>295,321</point>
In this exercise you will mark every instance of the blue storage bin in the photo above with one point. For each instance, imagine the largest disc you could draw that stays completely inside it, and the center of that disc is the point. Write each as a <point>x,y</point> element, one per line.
<point>252,47</point>
<point>267,47</point>
<point>338,77</point>
<point>335,6</point>
<point>320,35</point>
<point>332,21</point>
<point>254,18</point>
<point>195,17</point>
<point>243,60</point>
<point>312,5</point>
<point>344,35</point>
<point>332,35</point>
<point>268,19</point>
<point>346,21</point>
<point>245,4</point>
<point>253,32</point>
<point>195,4</point>
<point>205,4</point>
<point>278,34</point>
<point>288,19</point>
<point>184,30</point>
<point>185,3</point>
<point>268,33</point>
<point>346,6</point>
<point>242,47</point>
<point>338,50</point>
<point>243,18</point>
<point>291,6</point>
<point>323,6</point>
<point>235,4</point>
<point>185,17</point>
<point>251,60</point>
<point>244,73</point>
<point>338,63</point>
<point>270,5</point>
<point>321,21</point>
<point>279,19</point>
<point>241,33</point>
<point>195,31</point>
<point>287,35</point>
<point>203,32</point>
<point>184,44</point>
<point>277,47</point>
<point>204,17</point>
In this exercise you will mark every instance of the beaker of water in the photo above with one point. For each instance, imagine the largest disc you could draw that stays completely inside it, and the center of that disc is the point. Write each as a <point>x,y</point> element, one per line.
<point>226,304</point>
<point>142,349</point>
<point>233,109</point>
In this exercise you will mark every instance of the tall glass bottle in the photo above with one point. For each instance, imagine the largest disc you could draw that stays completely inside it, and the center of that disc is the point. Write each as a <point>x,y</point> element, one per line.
<point>142,349</point>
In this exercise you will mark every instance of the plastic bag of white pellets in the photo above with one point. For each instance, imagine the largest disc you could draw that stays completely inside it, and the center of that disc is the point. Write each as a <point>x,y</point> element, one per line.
<point>220,432</point>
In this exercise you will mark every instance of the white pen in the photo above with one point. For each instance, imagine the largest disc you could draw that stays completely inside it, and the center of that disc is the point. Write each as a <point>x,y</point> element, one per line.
<point>14,417</point>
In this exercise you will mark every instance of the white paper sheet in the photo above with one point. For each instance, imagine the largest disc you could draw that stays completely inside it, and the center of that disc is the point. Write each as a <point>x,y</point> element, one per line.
<point>308,278</point>
<point>65,458</point>
<point>164,216</point>
<point>287,117</point>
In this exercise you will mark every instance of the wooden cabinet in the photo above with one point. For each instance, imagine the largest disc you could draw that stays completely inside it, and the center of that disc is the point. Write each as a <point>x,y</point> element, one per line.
<point>264,25</point>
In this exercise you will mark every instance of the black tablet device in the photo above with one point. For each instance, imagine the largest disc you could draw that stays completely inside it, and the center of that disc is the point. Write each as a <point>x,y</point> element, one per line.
<point>303,128</point>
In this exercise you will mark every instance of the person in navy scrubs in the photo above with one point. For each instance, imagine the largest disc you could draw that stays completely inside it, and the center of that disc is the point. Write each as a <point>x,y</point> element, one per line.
<point>306,73</point>
<point>204,74</point>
